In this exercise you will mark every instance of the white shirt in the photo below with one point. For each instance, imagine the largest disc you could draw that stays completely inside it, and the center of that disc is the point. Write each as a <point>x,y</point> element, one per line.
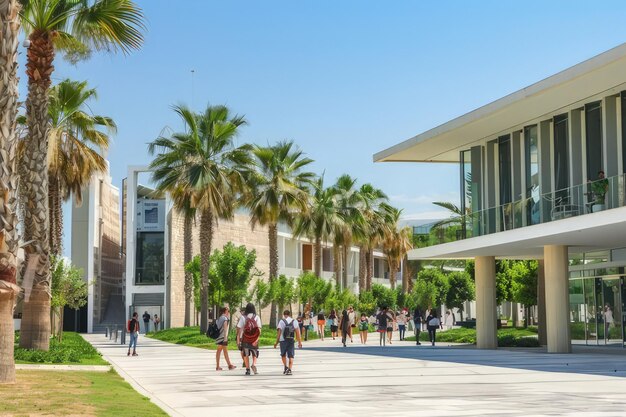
<point>281,326</point>
<point>242,321</point>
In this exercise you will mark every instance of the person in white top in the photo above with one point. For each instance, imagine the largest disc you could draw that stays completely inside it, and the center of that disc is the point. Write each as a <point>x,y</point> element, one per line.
<point>285,331</point>
<point>352,318</point>
<point>401,321</point>
<point>248,334</point>
<point>608,320</point>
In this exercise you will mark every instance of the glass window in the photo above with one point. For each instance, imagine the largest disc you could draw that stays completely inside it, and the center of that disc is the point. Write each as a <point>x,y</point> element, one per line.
<point>504,160</point>
<point>466,181</point>
<point>612,311</point>
<point>577,309</point>
<point>150,260</point>
<point>590,311</point>
<point>533,193</point>
<point>561,165</point>
<point>593,133</point>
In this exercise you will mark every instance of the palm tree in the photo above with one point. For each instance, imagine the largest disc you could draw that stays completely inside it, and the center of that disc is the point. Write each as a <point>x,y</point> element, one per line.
<point>72,160</point>
<point>204,162</point>
<point>320,221</point>
<point>373,201</point>
<point>348,202</point>
<point>396,244</point>
<point>73,26</point>
<point>9,239</point>
<point>279,190</point>
<point>182,202</point>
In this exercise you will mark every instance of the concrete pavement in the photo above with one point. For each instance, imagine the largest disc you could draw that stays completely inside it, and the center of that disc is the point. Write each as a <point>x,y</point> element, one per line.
<point>401,379</point>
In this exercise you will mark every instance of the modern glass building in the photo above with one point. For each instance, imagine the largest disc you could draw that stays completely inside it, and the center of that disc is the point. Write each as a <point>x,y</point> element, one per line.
<point>542,176</point>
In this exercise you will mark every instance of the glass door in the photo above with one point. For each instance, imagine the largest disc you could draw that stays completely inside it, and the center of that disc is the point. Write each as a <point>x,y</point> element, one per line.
<point>591,324</point>
<point>612,311</point>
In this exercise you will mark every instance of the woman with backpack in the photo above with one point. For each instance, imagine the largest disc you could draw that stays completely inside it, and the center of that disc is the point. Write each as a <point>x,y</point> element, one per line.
<point>334,323</point>
<point>248,334</point>
<point>364,326</point>
<point>432,323</point>
<point>222,339</point>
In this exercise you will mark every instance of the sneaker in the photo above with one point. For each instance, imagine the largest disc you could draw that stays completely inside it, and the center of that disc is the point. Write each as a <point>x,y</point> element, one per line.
<point>128,354</point>
<point>247,372</point>
<point>254,369</point>
<point>285,370</point>
<point>288,372</point>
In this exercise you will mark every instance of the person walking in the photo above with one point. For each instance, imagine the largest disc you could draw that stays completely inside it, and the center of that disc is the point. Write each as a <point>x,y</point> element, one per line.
<point>334,323</point>
<point>321,324</point>
<point>157,323</point>
<point>285,331</point>
<point>391,321</point>
<point>306,321</point>
<point>401,320</point>
<point>248,334</point>
<point>344,324</point>
<point>133,329</point>
<point>146,321</point>
<point>352,317</point>
<point>364,326</point>
<point>222,340</point>
<point>417,322</point>
<point>383,319</point>
<point>432,324</point>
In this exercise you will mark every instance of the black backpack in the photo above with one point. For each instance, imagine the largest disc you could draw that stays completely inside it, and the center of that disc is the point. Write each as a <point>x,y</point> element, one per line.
<point>289,330</point>
<point>213,332</point>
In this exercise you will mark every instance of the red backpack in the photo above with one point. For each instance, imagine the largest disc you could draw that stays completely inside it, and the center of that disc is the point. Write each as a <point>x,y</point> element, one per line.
<point>251,331</point>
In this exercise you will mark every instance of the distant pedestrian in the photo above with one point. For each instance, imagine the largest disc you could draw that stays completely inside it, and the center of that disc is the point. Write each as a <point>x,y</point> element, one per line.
<point>157,323</point>
<point>417,321</point>
<point>352,317</point>
<point>248,334</point>
<point>391,321</point>
<point>306,321</point>
<point>146,321</point>
<point>285,331</point>
<point>364,326</point>
<point>321,325</point>
<point>382,319</point>
<point>401,320</point>
<point>133,329</point>
<point>344,324</point>
<point>432,324</point>
<point>222,340</point>
<point>334,323</point>
<point>300,322</point>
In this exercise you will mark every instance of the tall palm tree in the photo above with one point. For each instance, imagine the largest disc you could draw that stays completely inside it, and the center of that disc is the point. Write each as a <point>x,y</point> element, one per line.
<point>76,142</point>
<point>396,244</point>
<point>9,239</point>
<point>280,190</point>
<point>320,221</point>
<point>204,162</point>
<point>182,202</point>
<point>348,202</point>
<point>373,201</point>
<point>74,26</point>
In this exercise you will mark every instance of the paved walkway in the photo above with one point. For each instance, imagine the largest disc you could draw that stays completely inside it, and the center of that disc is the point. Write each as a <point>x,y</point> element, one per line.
<point>401,379</point>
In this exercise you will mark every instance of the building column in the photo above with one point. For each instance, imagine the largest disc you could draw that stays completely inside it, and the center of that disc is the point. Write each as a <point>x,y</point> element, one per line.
<point>486,329</point>
<point>557,298</point>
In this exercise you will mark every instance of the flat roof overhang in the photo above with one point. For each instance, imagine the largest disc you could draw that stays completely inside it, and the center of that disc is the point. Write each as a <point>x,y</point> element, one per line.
<point>589,232</point>
<point>602,73</point>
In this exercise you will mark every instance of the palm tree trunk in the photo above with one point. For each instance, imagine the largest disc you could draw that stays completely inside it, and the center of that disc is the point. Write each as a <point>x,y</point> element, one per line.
<point>393,269</point>
<point>35,332</point>
<point>369,258</point>
<point>318,257</point>
<point>56,217</point>
<point>206,239</point>
<point>337,264</point>
<point>405,275</point>
<point>362,269</point>
<point>9,239</point>
<point>346,252</point>
<point>273,243</point>
<point>187,253</point>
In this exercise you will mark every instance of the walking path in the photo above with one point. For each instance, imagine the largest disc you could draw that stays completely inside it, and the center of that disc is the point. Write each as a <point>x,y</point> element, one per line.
<point>401,379</point>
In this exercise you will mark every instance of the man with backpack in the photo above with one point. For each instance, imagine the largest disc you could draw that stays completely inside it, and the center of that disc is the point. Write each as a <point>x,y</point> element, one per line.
<point>285,332</point>
<point>248,334</point>
<point>133,329</point>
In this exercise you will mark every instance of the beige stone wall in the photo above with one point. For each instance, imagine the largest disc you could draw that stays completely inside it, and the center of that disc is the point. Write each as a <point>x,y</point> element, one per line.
<point>237,231</point>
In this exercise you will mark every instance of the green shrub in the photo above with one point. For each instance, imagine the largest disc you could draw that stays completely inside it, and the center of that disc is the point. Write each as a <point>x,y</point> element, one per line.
<point>73,349</point>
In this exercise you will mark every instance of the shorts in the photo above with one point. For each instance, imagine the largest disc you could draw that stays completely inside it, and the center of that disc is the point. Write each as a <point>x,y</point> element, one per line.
<point>390,329</point>
<point>287,348</point>
<point>321,322</point>
<point>334,328</point>
<point>250,350</point>
<point>222,343</point>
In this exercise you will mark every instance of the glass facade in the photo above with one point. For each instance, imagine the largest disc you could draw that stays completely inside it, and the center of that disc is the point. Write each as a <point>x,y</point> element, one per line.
<point>150,258</point>
<point>531,159</point>
<point>561,163</point>
<point>593,138</point>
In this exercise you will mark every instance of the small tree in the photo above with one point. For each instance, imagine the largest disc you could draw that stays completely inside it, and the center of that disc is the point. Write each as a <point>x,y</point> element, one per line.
<point>524,285</point>
<point>312,289</point>
<point>193,267</point>
<point>385,297</point>
<point>260,295</point>
<point>436,283</point>
<point>68,289</point>
<point>283,291</point>
<point>340,300</point>
<point>366,303</point>
<point>461,289</point>
<point>230,273</point>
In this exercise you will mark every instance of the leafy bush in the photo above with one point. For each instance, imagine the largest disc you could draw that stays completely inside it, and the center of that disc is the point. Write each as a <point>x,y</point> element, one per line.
<point>73,349</point>
<point>506,337</point>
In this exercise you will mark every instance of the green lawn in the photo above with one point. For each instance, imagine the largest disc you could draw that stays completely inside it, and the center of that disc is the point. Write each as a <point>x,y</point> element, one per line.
<point>75,393</point>
<point>73,350</point>
<point>507,337</point>
<point>191,336</point>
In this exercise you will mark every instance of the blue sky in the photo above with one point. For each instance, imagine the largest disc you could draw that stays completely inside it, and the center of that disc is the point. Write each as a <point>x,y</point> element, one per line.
<point>343,79</point>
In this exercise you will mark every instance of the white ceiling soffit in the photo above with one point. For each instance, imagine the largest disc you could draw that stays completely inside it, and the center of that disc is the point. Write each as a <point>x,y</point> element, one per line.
<point>443,143</point>
<point>589,232</point>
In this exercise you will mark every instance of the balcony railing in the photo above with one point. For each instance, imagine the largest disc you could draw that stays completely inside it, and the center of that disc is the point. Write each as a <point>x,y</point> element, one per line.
<point>535,208</point>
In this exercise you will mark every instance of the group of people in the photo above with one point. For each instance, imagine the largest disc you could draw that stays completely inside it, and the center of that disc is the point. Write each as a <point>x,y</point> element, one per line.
<point>146,322</point>
<point>387,319</point>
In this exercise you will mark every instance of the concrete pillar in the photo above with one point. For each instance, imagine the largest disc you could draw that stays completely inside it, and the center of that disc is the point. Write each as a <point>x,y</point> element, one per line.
<point>486,329</point>
<point>541,303</point>
<point>557,298</point>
